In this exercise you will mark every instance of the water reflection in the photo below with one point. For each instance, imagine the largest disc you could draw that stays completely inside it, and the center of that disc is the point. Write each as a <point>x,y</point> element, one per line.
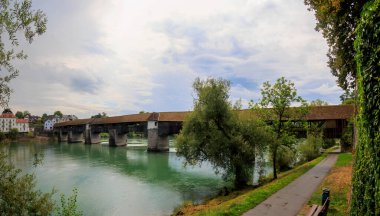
<point>117,181</point>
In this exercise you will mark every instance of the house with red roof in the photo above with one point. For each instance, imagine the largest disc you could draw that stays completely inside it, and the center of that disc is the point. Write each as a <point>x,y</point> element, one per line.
<point>8,121</point>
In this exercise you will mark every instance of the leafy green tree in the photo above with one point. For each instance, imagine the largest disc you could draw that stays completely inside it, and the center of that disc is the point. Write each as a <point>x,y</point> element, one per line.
<point>18,196</point>
<point>100,115</point>
<point>318,102</point>
<point>19,115</point>
<point>215,132</point>
<point>17,21</point>
<point>338,20</point>
<point>44,117</point>
<point>58,113</point>
<point>274,108</point>
<point>26,112</point>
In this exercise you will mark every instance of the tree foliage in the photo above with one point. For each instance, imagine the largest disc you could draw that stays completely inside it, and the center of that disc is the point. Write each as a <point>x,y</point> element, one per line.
<point>17,21</point>
<point>69,206</point>
<point>17,193</point>
<point>215,132</point>
<point>337,19</point>
<point>58,113</point>
<point>318,102</point>
<point>100,115</point>
<point>19,115</point>
<point>274,108</point>
<point>366,176</point>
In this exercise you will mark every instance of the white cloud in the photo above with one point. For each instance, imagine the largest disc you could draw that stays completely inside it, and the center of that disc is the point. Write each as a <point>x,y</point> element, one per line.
<point>125,56</point>
<point>326,89</point>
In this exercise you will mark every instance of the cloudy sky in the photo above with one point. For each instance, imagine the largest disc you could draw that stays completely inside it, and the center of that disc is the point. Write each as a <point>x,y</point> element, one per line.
<point>123,56</point>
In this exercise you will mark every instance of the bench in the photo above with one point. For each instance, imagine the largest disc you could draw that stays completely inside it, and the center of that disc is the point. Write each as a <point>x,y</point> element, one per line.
<point>317,210</point>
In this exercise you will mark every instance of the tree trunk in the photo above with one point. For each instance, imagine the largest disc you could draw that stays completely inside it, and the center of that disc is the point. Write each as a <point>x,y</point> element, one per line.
<point>274,163</point>
<point>240,178</point>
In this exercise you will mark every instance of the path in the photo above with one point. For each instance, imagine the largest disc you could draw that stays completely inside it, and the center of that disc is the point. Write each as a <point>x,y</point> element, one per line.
<point>289,200</point>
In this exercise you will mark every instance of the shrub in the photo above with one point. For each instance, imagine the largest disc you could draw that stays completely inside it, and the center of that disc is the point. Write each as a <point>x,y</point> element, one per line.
<point>328,143</point>
<point>12,134</point>
<point>18,196</point>
<point>286,158</point>
<point>310,148</point>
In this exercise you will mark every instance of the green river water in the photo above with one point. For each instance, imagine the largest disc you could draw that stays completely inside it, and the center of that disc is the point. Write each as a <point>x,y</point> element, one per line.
<point>116,181</point>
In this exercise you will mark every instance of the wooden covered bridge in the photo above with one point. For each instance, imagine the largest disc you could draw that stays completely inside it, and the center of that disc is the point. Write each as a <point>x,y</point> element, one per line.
<point>159,125</point>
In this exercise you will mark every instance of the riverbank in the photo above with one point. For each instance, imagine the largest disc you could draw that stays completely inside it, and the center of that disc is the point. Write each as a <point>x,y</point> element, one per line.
<point>38,139</point>
<point>241,201</point>
<point>339,183</point>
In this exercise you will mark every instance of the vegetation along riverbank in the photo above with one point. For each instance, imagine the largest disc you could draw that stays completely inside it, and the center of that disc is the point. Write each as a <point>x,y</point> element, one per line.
<point>240,201</point>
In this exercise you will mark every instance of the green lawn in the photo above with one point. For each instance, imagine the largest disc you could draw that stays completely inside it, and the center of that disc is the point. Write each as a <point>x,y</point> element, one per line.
<point>339,183</point>
<point>247,199</point>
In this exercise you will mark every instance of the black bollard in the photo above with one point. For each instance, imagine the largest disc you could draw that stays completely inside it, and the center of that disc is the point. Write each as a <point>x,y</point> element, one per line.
<point>325,201</point>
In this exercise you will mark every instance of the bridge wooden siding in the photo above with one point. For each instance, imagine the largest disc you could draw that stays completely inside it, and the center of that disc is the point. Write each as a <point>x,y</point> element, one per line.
<point>159,125</point>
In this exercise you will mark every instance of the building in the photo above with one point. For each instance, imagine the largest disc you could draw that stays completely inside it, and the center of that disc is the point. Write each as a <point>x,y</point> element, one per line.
<point>8,121</point>
<point>52,119</point>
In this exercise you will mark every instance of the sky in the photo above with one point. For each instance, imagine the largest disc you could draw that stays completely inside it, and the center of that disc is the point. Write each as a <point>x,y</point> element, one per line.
<point>124,56</point>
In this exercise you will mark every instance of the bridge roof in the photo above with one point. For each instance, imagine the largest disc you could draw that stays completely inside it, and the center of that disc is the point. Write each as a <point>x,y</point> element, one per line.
<point>331,112</point>
<point>316,113</point>
<point>73,122</point>
<point>173,116</point>
<point>143,117</point>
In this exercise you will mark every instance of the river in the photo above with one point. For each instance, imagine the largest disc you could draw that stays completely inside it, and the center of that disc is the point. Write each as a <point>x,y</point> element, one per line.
<point>116,181</point>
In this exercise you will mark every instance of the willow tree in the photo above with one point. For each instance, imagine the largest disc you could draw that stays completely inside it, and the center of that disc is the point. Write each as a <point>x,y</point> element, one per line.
<point>218,133</point>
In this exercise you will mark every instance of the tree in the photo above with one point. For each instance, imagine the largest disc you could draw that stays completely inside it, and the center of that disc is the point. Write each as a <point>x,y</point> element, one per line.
<point>18,196</point>
<point>274,107</point>
<point>26,112</point>
<point>215,132</point>
<point>318,102</point>
<point>100,115</point>
<point>58,113</point>
<point>16,19</point>
<point>44,117</point>
<point>338,20</point>
<point>19,115</point>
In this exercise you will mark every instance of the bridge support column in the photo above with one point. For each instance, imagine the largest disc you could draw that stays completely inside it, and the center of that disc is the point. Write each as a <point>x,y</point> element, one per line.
<point>62,136</point>
<point>90,137</point>
<point>157,143</point>
<point>75,137</point>
<point>117,139</point>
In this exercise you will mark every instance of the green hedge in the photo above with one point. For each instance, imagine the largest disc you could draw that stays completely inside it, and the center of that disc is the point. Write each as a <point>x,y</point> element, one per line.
<point>366,178</point>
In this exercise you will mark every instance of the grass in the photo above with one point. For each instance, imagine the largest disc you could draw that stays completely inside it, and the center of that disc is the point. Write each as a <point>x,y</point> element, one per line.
<point>339,183</point>
<point>239,202</point>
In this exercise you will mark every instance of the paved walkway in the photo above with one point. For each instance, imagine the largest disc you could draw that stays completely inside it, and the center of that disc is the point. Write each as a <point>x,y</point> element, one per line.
<point>289,200</point>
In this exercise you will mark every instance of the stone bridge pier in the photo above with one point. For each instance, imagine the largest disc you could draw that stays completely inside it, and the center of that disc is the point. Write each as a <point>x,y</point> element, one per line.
<point>157,141</point>
<point>118,135</point>
<point>92,134</point>
<point>76,134</point>
<point>62,135</point>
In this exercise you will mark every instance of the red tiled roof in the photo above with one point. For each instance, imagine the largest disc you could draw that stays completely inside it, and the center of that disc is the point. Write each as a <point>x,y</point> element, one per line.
<point>7,115</point>
<point>22,121</point>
